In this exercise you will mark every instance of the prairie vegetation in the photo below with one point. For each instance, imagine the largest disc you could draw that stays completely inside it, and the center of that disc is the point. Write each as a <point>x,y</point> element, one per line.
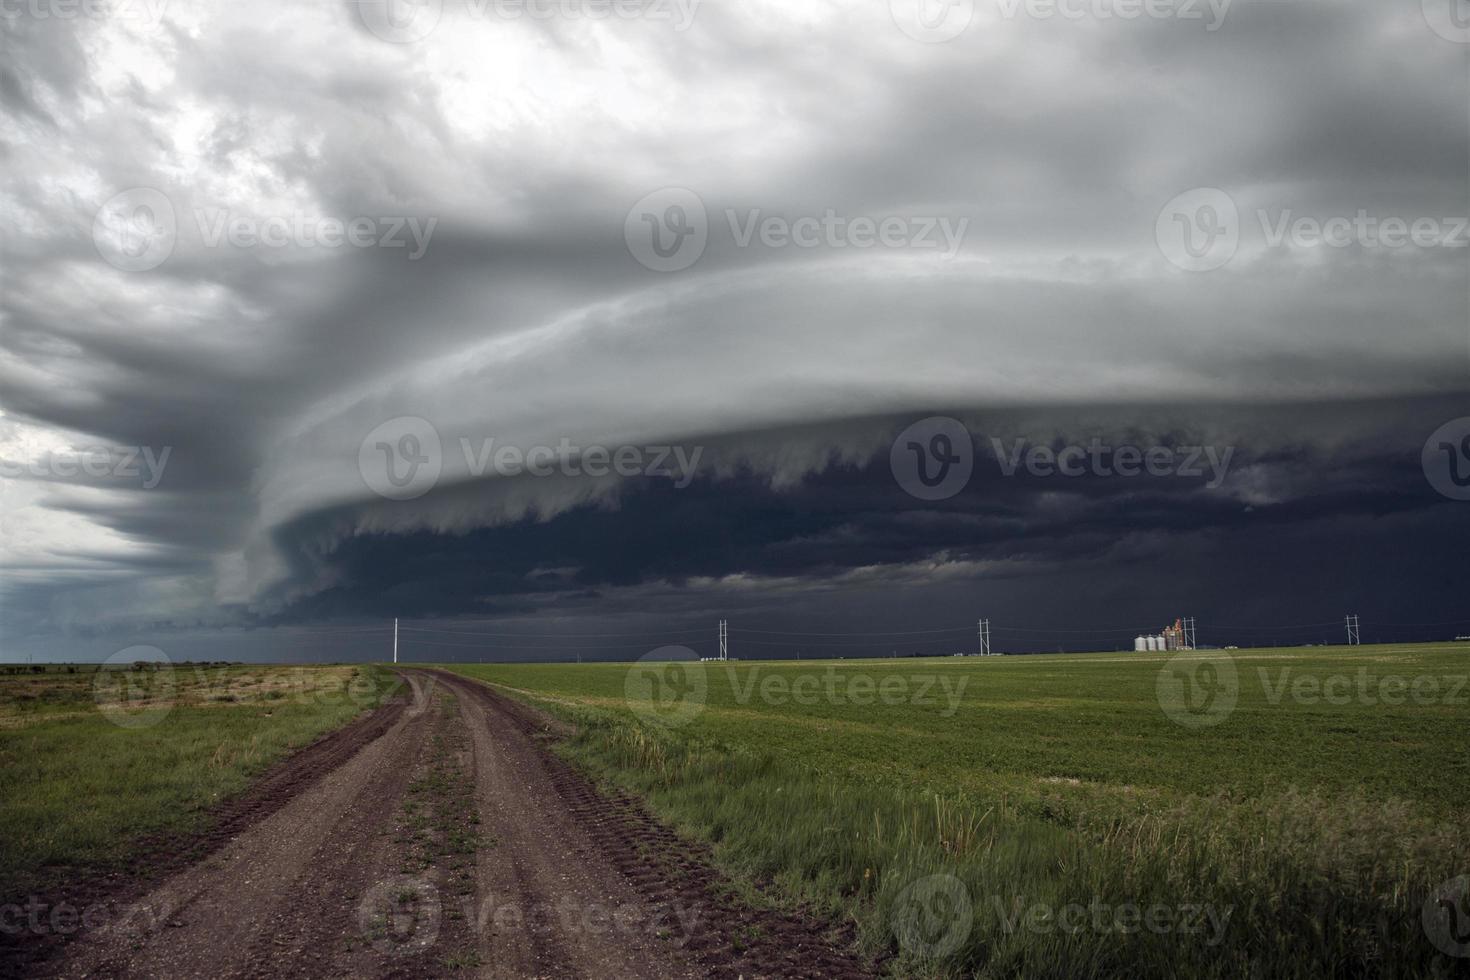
<point>93,761</point>
<point>1052,819</point>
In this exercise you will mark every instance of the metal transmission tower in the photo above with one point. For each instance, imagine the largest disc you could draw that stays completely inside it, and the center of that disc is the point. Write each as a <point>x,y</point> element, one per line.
<point>395,639</point>
<point>1354,636</point>
<point>1191,642</point>
<point>983,627</point>
<point>724,640</point>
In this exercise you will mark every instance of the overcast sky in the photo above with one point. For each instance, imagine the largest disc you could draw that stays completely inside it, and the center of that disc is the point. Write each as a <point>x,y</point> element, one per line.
<point>281,281</point>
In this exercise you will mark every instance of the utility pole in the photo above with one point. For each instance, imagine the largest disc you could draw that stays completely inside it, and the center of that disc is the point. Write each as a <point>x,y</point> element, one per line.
<point>1354,636</point>
<point>395,639</point>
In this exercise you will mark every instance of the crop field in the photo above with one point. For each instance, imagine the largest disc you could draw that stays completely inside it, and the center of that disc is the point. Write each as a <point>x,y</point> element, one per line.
<point>92,761</point>
<point>1272,812</point>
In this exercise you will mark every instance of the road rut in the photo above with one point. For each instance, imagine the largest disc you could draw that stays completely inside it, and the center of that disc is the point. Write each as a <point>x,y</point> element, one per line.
<point>453,842</point>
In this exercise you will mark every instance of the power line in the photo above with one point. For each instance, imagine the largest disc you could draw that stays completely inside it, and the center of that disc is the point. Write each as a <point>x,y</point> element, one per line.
<point>950,629</point>
<point>1448,622</point>
<point>465,643</point>
<point>494,642</point>
<point>330,629</point>
<point>419,641</point>
<point>839,645</point>
<point>816,640</point>
<point>744,631</point>
<point>567,636</point>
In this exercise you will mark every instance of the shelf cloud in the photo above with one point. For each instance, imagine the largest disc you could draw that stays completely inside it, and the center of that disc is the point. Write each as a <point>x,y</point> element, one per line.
<point>584,311</point>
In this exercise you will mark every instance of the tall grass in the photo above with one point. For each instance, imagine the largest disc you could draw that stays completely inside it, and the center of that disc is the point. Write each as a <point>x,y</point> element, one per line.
<point>77,791</point>
<point>1300,884</point>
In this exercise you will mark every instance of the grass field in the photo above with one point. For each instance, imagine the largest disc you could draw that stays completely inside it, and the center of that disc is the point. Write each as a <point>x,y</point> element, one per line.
<point>92,761</point>
<point>1258,812</point>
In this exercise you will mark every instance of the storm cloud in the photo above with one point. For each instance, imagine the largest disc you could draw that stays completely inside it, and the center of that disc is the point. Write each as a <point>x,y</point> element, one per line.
<point>258,261</point>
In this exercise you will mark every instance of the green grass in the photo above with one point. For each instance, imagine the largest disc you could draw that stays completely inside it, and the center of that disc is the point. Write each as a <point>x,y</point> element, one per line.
<point>78,791</point>
<point>1313,831</point>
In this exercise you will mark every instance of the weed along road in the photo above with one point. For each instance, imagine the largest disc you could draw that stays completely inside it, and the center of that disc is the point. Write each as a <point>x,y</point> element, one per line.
<point>440,836</point>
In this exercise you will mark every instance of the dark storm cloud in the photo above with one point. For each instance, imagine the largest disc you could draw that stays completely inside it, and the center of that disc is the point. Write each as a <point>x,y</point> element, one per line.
<point>655,548</point>
<point>528,319</point>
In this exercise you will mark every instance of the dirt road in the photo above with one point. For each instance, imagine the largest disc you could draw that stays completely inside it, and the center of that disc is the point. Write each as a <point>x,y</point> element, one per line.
<point>441,837</point>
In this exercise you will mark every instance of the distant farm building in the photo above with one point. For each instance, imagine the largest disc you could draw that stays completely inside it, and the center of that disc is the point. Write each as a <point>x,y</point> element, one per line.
<point>1180,636</point>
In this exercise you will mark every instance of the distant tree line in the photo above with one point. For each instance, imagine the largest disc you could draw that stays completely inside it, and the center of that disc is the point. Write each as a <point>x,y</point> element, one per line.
<point>12,669</point>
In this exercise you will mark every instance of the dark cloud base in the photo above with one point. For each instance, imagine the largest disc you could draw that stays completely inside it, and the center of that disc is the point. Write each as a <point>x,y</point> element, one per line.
<point>1055,562</point>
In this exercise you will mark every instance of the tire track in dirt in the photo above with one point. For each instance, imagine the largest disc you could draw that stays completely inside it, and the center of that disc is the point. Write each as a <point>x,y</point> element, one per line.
<point>452,843</point>
<point>113,896</point>
<point>240,911</point>
<point>564,843</point>
<point>546,907</point>
<point>315,931</point>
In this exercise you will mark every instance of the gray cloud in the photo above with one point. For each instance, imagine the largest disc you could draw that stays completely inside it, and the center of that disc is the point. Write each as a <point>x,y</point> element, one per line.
<point>527,318</point>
